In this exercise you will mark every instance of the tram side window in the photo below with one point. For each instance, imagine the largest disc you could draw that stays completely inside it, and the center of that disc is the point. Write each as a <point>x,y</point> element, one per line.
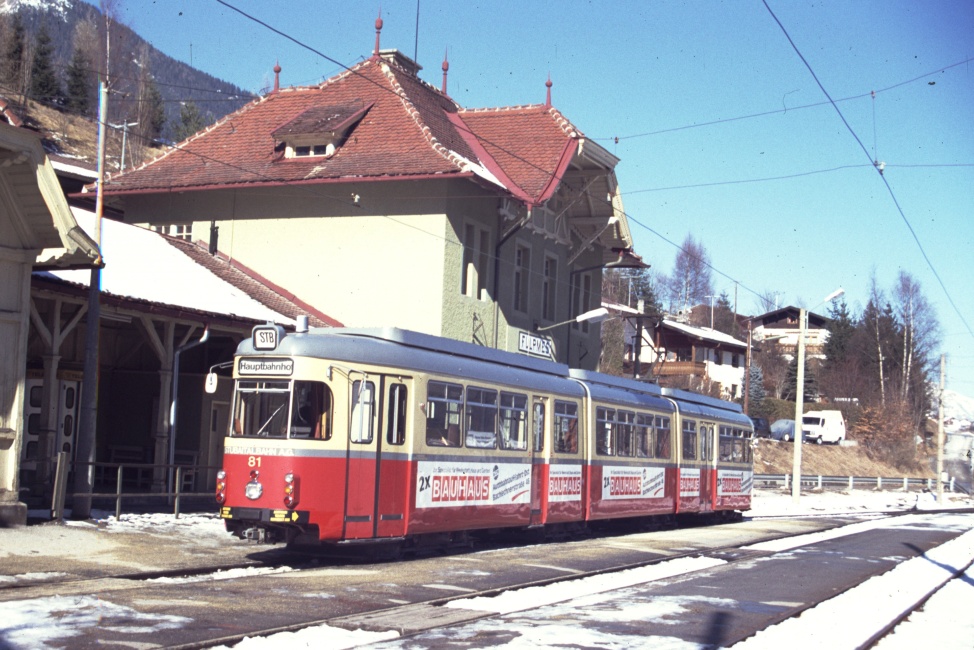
<point>363,407</point>
<point>261,408</point>
<point>396,418</point>
<point>726,445</point>
<point>663,435</point>
<point>644,435</point>
<point>605,426</point>
<point>311,411</point>
<point>513,422</point>
<point>444,404</point>
<point>742,451</point>
<point>689,440</point>
<point>481,418</point>
<point>625,433</point>
<point>566,427</point>
<point>538,426</point>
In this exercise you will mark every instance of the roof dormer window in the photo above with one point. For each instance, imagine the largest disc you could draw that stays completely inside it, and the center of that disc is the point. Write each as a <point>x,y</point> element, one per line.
<point>320,131</point>
<point>326,150</point>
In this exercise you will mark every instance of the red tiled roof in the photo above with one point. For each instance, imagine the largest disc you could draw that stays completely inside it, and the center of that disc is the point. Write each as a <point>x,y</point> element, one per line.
<point>410,130</point>
<point>260,289</point>
<point>531,144</point>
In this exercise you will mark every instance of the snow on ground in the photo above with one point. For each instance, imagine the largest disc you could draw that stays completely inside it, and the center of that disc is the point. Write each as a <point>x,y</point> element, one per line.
<point>539,614</point>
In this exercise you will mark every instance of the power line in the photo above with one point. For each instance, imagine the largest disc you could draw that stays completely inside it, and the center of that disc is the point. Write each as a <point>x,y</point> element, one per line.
<point>743,181</point>
<point>780,111</point>
<point>882,177</point>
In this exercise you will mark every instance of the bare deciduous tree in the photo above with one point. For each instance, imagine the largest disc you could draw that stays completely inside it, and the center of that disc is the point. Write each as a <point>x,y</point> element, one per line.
<point>692,279</point>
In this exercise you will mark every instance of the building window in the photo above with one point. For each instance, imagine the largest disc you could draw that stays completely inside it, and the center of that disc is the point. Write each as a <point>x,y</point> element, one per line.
<point>476,262</point>
<point>582,294</point>
<point>314,150</point>
<point>522,277</point>
<point>182,231</point>
<point>548,288</point>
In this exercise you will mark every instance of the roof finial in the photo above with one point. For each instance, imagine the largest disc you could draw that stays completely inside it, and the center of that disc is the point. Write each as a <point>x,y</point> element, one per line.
<point>277,76</point>
<point>378,28</point>
<point>446,67</point>
<point>548,86</point>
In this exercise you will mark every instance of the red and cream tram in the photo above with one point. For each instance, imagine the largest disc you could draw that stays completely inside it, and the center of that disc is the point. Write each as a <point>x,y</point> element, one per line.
<point>344,435</point>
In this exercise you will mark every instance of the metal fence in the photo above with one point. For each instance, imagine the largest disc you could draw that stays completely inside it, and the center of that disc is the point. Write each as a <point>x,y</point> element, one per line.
<point>820,482</point>
<point>143,483</point>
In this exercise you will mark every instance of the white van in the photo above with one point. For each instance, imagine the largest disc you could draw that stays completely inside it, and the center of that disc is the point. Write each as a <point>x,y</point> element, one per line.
<point>823,426</point>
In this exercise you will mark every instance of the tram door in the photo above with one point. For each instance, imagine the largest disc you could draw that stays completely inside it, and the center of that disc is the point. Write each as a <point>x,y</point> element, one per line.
<point>375,489</point>
<point>708,471</point>
<point>539,469</point>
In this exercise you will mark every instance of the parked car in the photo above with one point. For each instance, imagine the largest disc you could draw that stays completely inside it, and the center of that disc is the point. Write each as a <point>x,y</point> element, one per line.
<point>783,430</point>
<point>761,428</point>
<point>823,426</point>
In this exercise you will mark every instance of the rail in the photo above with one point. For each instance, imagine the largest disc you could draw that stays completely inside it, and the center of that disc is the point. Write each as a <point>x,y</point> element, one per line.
<point>131,481</point>
<point>821,482</point>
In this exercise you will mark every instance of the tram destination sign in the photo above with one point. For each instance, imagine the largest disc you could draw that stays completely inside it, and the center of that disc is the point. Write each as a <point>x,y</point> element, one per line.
<point>273,367</point>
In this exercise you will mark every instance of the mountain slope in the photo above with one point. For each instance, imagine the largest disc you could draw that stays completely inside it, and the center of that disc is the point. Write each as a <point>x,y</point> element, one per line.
<point>177,82</point>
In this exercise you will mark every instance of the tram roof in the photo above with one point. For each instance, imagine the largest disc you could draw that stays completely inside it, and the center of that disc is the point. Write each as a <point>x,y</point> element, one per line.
<point>622,389</point>
<point>706,406</point>
<point>408,350</point>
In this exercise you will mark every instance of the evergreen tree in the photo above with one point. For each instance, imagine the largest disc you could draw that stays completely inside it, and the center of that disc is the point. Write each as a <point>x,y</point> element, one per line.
<point>44,84</point>
<point>841,331</point>
<point>642,285</point>
<point>13,55</point>
<point>190,121</point>
<point>80,83</point>
<point>809,389</point>
<point>154,111</point>
<point>724,320</point>
<point>756,394</point>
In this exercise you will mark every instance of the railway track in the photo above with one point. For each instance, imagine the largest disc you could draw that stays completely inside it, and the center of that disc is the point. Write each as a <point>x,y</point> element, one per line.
<point>513,567</point>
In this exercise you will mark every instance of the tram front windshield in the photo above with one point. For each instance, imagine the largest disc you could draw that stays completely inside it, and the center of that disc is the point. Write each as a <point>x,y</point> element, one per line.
<point>281,409</point>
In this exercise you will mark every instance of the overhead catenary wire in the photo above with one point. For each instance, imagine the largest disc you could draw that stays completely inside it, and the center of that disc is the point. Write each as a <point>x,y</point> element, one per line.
<point>879,170</point>
<point>631,218</point>
<point>738,118</point>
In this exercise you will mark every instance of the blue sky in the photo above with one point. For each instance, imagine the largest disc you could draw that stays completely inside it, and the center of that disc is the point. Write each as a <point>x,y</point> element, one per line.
<point>787,201</point>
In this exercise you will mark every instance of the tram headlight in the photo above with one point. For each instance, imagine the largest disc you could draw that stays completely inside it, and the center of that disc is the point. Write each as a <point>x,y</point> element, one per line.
<point>221,487</point>
<point>290,490</point>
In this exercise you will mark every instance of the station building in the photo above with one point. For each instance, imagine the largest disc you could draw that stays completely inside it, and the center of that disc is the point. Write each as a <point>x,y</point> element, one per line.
<point>379,200</point>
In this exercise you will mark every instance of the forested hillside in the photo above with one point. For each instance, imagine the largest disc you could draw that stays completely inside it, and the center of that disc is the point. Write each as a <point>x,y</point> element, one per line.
<point>53,51</point>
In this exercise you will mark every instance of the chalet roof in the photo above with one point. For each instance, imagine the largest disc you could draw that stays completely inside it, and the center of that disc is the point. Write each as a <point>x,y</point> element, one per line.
<point>787,318</point>
<point>704,334</point>
<point>409,130</point>
<point>147,267</point>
